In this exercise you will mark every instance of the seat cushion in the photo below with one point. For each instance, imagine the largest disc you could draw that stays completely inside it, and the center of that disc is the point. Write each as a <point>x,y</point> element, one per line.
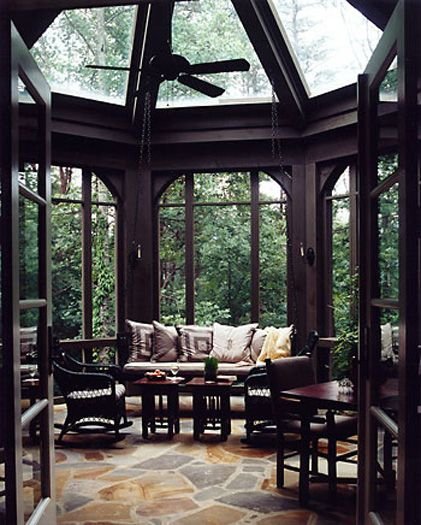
<point>120,390</point>
<point>188,368</point>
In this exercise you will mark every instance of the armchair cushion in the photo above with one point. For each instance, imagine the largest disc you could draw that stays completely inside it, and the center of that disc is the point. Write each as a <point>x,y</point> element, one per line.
<point>195,342</point>
<point>232,344</point>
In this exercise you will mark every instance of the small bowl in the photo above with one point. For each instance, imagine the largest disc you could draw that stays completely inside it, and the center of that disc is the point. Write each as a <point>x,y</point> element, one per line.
<point>151,376</point>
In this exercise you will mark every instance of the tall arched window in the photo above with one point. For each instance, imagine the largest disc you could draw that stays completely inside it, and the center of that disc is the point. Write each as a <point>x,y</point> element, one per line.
<point>223,253</point>
<point>340,277</point>
<point>83,254</point>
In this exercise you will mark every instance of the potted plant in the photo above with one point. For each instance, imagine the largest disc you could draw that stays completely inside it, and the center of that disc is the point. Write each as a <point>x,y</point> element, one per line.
<point>344,352</point>
<point>211,368</point>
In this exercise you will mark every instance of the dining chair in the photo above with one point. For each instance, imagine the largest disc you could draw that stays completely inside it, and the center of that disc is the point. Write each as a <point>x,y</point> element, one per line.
<point>293,372</point>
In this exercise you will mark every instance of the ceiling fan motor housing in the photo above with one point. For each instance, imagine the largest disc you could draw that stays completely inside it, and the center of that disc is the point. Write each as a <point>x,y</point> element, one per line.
<point>169,66</point>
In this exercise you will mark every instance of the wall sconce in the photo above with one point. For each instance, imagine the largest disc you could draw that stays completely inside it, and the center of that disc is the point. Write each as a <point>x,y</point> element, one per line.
<point>135,253</point>
<point>309,255</point>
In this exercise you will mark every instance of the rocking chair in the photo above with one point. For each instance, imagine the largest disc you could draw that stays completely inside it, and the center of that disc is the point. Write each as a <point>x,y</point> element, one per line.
<point>94,399</point>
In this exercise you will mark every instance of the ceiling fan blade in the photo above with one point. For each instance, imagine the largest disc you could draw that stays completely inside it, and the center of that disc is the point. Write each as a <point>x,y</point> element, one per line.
<point>200,85</point>
<point>222,66</point>
<point>107,68</point>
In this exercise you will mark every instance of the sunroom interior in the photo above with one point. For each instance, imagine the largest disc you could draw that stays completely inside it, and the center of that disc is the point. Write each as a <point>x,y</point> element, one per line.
<point>212,161</point>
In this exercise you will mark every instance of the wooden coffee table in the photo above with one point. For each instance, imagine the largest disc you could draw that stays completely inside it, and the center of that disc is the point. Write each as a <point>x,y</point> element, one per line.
<point>211,406</point>
<point>155,412</point>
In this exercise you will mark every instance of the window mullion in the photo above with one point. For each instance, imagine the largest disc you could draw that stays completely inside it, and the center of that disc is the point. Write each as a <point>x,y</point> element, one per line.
<point>189,268</point>
<point>254,248</point>
<point>87,253</point>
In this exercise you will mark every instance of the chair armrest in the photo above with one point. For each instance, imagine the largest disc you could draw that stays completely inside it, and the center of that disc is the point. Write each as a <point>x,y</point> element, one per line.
<point>112,370</point>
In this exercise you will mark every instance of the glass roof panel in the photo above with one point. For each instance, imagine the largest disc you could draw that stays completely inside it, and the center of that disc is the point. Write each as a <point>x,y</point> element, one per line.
<point>331,39</point>
<point>88,36</point>
<point>207,31</point>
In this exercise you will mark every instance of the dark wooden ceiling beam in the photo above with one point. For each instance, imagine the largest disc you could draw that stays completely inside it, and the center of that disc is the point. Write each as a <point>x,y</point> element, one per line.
<point>31,25</point>
<point>378,11</point>
<point>272,48</point>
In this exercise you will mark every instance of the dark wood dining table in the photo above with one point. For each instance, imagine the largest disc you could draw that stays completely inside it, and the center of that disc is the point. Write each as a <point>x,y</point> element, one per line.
<point>312,397</point>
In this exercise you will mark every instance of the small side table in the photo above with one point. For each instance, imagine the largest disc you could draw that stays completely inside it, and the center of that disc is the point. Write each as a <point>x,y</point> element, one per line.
<point>211,406</point>
<point>154,413</point>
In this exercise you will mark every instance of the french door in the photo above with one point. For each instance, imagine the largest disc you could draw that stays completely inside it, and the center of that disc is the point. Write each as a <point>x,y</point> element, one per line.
<point>26,430</point>
<point>389,152</point>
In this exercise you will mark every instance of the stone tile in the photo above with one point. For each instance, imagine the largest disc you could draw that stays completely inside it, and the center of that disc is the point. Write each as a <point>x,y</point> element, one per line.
<point>60,456</point>
<point>259,502</point>
<point>210,493</point>
<point>291,517</point>
<point>93,472</point>
<point>213,515</point>
<point>94,455</point>
<point>152,486</point>
<point>243,482</point>
<point>165,462</point>
<point>73,501</point>
<point>166,506</point>
<point>255,468</point>
<point>97,512</point>
<point>122,474</point>
<point>62,477</point>
<point>208,475</point>
<point>219,455</point>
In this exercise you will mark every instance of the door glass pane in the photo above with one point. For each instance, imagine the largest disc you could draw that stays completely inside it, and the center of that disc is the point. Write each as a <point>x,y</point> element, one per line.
<point>100,192</point>
<point>387,165</point>
<point>66,182</point>
<point>29,176</point>
<point>273,265</point>
<point>388,231</point>
<point>28,248</point>
<point>67,270</point>
<point>222,264</point>
<point>269,189</point>
<point>172,266</point>
<point>175,193</point>
<point>387,463</point>
<point>31,464</point>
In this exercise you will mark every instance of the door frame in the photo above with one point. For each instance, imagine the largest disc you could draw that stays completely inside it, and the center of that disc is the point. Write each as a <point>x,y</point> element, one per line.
<point>400,39</point>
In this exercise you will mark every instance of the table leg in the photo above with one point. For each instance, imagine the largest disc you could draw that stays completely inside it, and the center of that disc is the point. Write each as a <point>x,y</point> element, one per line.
<point>225,416</point>
<point>147,412</point>
<point>196,416</point>
<point>304,460</point>
<point>172,399</point>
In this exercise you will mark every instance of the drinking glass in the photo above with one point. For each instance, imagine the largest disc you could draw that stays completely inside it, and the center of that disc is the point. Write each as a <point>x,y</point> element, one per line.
<point>174,370</point>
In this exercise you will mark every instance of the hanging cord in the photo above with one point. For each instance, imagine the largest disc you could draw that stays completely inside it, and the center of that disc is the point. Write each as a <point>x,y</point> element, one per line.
<point>144,160</point>
<point>278,157</point>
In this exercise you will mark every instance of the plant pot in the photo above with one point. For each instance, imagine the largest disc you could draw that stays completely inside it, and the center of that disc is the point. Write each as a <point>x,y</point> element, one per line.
<point>210,375</point>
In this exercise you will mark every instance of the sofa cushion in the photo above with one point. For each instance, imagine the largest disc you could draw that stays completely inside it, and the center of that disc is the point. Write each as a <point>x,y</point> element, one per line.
<point>187,368</point>
<point>257,342</point>
<point>232,344</point>
<point>277,343</point>
<point>141,341</point>
<point>165,343</point>
<point>195,342</point>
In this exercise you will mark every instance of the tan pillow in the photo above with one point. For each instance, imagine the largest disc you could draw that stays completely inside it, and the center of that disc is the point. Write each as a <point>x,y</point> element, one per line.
<point>165,343</point>
<point>232,344</point>
<point>277,343</point>
<point>141,341</point>
<point>195,342</point>
<point>257,342</point>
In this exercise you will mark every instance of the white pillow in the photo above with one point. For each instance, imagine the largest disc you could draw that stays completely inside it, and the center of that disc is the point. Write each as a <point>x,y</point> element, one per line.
<point>232,344</point>
<point>386,342</point>
<point>277,343</point>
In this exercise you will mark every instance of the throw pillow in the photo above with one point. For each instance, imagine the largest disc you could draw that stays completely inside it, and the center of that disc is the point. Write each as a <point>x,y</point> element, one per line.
<point>232,344</point>
<point>141,341</point>
<point>195,342</point>
<point>257,342</point>
<point>277,343</point>
<point>386,342</point>
<point>165,343</point>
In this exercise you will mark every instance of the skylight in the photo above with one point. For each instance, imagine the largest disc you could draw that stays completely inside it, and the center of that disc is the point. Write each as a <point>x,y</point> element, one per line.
<point>88,36</point>
<point>207,31</point>
<point>332,40</point>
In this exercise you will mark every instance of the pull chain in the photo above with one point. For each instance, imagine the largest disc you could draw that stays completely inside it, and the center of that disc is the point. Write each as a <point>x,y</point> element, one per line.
<point>278,157</point>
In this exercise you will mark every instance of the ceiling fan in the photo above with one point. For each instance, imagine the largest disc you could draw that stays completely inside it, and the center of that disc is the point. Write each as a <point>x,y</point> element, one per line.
<point>170,66</point>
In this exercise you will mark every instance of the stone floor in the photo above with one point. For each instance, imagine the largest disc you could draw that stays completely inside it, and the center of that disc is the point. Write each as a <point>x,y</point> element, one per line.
<point>183,482</point>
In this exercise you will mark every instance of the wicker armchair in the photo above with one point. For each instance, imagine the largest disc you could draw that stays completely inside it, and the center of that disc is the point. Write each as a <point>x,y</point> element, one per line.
<point>95,401</point>
<point>257,400</point>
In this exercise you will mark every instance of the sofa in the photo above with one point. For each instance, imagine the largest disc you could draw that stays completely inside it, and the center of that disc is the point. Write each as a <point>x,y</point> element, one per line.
<point>150,346</point>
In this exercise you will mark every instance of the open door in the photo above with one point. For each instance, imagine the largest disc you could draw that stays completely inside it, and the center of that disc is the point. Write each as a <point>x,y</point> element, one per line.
<point>26,429</point>
<point>389,432</point>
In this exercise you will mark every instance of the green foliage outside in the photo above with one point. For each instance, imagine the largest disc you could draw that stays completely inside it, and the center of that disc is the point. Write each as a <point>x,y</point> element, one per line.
<point>222,254</point>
